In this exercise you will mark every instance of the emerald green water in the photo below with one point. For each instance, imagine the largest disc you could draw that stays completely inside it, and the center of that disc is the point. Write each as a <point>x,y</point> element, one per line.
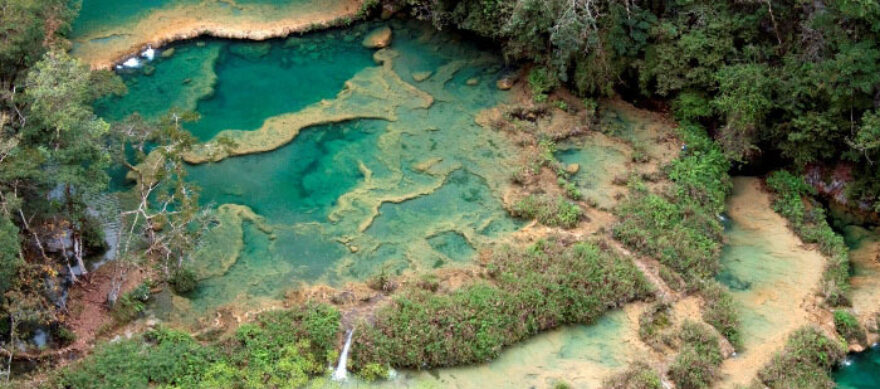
<point>862,371</point>
<point>342,201</point>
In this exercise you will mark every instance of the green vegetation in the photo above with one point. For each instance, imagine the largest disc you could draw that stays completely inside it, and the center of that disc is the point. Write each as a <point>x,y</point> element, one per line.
<point>637,376</point>
<point>796,79</point>
<point>680,227</point>
<point>805,363</point>
<point>548,211</point>
<point>281,349</point>
<point>529,290</point>
<point>696,366</point>
<point>808,219</point>
<point>130,305</point>
<point>653,326</point>
<point>720,312</point>
<point>849,327</point>
<point>183,281</point>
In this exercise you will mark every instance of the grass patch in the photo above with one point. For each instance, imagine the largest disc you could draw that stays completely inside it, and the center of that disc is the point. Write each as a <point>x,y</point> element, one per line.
<point>848,326</point>
<point>720,312</point>
<point>530,290</point>
<point>549,211</point>
<point>807,219</point>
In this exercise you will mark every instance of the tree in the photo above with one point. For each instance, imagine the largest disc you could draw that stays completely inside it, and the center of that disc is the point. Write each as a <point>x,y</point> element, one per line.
<point>64,128</point>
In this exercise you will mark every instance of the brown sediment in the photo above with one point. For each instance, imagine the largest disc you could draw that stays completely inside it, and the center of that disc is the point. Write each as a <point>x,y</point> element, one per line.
<point>788,303</point>
<point>101,49</point>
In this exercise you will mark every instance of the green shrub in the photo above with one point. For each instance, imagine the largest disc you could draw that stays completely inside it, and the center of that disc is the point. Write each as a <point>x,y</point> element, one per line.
<point>131,304</point>
<point>280,349</point>
<point>805,362</point>
<point>849,327</point>
<point>653,324</point>
<point>373,372</point>
<point>554,212</point>
<point>638,376</point>
<point>545,286</point>
<point>183,281</point>
<point>542,81</point>
<point>696,366</point>
<point>681,228</point>
<point>720,312</point>
<point>811,224</point>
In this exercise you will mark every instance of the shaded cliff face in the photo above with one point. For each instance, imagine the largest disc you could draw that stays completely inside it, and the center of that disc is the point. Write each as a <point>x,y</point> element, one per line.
<point>107,31</point>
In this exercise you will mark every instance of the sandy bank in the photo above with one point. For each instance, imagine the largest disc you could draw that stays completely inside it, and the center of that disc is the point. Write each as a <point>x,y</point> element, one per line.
<point>108,45</point>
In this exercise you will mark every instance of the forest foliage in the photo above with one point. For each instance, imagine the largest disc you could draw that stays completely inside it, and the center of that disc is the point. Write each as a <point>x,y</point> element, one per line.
<point>794,82</point>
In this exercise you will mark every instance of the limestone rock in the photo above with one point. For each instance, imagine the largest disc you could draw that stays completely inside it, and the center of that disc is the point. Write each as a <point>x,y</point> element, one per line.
<point>167,53</point>
<point>422,76</point>
<point>572,168</point>
<point>378,38</point>
<point>505,83</point>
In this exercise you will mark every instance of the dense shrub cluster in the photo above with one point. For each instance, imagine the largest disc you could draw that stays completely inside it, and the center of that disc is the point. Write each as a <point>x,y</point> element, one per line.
<point>849,327</point>
<point>681,228</point>
<point>809,221</point>
<point>281,349</point>
<point>805,362</point>
<point>697,365</point>
<point>549,211</point>
<point>542,287</point>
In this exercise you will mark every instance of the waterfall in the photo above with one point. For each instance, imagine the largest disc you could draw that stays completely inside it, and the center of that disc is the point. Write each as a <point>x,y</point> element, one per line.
<point>341,372</point>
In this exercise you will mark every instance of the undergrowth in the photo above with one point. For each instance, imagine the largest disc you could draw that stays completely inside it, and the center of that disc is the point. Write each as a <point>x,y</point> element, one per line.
<point>529,290</point>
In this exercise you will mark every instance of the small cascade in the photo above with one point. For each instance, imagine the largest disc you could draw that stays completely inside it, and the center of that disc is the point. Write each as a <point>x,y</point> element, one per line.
<point>341,372</point>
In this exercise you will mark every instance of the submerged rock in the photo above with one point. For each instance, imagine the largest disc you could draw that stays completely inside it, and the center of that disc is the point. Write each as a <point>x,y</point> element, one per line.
<point>422,76</point>
<point>472,81</point>
<point>167,53</point>
<point>378,39</point>
<point>572,168</point>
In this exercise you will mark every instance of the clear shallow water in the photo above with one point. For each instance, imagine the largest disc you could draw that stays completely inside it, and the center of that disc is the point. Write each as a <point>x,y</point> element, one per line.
<point>341,201</point>
<point>863,372</point>
<point>769,274</point>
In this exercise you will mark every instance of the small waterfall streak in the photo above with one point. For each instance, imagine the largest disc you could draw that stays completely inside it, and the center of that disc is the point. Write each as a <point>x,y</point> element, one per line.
<point>341,372</point>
